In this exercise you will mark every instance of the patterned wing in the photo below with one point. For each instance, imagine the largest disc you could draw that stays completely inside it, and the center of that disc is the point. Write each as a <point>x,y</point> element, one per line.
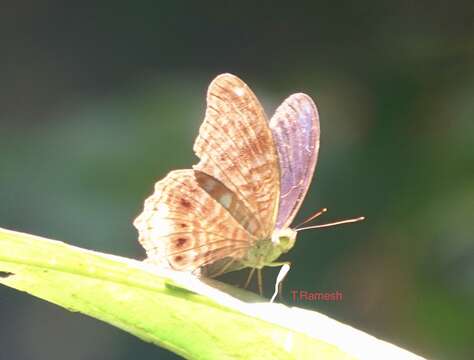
<point>236,147</point>
<point>185,228</point>
<point>295,128</point>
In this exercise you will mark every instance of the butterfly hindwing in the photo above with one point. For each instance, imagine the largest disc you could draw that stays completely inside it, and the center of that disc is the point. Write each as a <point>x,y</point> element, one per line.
<point>182,226</point>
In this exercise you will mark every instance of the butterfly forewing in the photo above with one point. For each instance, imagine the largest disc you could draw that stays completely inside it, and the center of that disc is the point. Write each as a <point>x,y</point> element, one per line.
<point>295,128</point>
<point>236,147</point>
<point>227,199</point>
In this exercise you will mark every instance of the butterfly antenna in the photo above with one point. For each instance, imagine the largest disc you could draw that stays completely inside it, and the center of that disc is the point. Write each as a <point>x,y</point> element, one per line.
<point>312,217</point>
<point>332,223</point>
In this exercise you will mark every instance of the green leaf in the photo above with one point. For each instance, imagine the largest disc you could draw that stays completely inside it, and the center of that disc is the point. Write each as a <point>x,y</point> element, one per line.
<point>196,319</point>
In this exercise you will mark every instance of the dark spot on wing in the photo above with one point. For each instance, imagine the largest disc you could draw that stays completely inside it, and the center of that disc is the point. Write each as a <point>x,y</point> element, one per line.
<point>180,242</point>
<point>185,203</point>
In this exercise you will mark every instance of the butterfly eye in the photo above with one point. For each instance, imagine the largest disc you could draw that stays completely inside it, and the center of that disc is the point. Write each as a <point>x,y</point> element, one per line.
<point>284,239</point>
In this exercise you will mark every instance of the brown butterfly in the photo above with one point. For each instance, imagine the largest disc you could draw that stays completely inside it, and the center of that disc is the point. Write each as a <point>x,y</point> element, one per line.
<point>234,208</point>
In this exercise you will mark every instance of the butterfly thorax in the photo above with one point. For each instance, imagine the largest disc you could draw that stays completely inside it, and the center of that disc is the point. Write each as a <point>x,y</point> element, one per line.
<point>266,251</point>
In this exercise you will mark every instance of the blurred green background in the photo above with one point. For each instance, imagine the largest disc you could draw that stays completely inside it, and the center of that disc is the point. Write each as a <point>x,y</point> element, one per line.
<point>98,103</point>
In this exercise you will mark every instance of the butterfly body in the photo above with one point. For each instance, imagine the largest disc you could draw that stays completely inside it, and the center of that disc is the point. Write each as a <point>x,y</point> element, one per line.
<point>234,208</point>
<point>265,251</point>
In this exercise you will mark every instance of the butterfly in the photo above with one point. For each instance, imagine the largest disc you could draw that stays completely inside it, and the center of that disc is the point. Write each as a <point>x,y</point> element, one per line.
<point>233,209</point>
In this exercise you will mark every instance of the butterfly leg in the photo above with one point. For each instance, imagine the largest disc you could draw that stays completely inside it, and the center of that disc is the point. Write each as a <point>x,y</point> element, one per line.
<point>285,267</point>
<point>247,282</point>
<point>260,282</point>
<point>223,269</point>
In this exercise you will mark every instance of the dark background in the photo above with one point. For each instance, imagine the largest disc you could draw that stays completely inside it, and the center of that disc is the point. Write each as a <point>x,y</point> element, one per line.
<point>97,103</point>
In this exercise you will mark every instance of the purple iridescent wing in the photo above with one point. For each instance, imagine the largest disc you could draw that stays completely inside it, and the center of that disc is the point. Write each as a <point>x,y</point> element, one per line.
<point>295,128</point>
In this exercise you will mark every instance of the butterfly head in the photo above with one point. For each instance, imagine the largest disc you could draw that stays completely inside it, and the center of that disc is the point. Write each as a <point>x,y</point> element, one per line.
<point>284,239</point>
